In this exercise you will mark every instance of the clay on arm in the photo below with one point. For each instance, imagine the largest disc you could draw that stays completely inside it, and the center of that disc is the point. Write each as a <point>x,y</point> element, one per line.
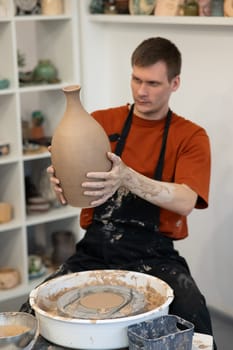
<point>171,196</point>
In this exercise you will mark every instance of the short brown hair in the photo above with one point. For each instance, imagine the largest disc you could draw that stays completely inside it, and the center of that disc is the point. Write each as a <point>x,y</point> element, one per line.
<point>153,50</point>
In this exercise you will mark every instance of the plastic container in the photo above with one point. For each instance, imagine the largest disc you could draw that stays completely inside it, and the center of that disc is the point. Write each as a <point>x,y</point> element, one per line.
<point>165,332</point>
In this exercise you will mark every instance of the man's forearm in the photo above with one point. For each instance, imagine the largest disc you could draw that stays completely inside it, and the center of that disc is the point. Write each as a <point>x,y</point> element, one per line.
<point>175,197</point>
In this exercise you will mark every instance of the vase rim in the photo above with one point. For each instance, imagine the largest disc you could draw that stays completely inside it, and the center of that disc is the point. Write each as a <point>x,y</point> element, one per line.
<point>71,88</point>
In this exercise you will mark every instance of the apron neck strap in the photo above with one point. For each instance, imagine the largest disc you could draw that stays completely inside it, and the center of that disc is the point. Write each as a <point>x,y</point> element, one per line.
<point>160,164</point>
<point>125,131</point>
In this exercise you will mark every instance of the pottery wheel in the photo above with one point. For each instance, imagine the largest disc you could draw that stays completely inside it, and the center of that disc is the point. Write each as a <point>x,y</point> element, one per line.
<point>101,302</point>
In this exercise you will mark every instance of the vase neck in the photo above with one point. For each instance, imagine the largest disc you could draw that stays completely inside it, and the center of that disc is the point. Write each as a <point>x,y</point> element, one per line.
<point>73,101</point>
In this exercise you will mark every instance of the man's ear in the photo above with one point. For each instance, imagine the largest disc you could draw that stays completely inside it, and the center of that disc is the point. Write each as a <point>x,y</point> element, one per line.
<point>175,83</point>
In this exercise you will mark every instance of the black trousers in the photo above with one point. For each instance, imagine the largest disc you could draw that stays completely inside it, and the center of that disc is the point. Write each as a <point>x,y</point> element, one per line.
<point>168,265</point>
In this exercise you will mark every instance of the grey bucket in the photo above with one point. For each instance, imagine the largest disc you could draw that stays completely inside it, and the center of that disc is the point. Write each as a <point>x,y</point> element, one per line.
<point>168,332</point>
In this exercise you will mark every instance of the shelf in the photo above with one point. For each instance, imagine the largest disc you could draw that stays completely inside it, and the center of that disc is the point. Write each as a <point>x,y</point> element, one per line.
<point>42,18</point>
<point>7,91</point>
<point>42,87</point>
<point>52,215</point>
<point>13,293</point>
<point>12,225</point>
<point>28,157</point>
<point>9,159</point>
<point>5,19</point>
<point>177,20</point>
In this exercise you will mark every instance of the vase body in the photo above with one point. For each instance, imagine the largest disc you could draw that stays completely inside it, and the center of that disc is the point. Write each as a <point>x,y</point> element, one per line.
<point>79,146</point>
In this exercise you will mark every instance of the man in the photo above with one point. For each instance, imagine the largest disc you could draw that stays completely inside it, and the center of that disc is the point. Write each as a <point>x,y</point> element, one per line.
<point>160,173</point>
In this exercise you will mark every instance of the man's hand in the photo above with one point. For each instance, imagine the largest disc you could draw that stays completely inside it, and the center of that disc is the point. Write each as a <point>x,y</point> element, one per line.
<point>56,183</point>
<point>107,183</point>
<point>171,196</point>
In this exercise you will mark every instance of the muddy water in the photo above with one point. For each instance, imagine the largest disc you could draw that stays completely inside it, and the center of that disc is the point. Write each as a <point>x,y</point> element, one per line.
<point>101,300</point>
<point>12,330</point>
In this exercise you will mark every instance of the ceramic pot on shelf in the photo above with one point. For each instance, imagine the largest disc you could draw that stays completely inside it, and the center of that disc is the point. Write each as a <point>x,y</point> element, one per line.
<point>45,71</point>
<point>190,8</point>
<point>52,7</point>
<point>79,146</point>
<point>6,212</point>
<point>141,7</point>
<point>37,130</point>
<point>122,6</point>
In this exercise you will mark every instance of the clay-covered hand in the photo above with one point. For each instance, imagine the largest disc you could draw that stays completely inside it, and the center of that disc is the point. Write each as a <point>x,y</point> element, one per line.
<point>107,183</point>
<point>179,198</point>
<point>56,183</point>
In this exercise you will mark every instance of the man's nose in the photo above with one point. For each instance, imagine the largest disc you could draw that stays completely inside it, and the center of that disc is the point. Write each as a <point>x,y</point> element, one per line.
<point>142,89</point>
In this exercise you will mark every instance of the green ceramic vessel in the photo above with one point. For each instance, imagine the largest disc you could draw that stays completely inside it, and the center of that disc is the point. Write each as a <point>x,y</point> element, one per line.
<point>45,71</point>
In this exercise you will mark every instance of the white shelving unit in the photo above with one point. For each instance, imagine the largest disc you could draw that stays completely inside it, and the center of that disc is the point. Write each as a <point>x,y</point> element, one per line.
<point>38,37</point>
<point>179,20</point>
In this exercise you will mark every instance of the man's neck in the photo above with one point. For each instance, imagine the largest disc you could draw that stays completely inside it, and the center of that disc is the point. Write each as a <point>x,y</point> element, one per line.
<point>153,115</point>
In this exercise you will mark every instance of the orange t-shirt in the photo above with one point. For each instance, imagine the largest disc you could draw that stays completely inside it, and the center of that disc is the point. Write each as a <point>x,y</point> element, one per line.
<point>187,158</point>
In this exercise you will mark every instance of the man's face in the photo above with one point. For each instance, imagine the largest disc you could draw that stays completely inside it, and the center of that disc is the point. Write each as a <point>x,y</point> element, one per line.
<point>151,90</point>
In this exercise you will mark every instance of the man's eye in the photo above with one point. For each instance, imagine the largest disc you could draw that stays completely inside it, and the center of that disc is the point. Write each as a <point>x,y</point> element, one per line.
<point>153,83</point>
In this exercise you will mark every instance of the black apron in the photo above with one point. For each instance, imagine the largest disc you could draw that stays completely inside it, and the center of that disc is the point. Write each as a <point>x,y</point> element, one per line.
<point>125,235</point>
<point>125,229</point>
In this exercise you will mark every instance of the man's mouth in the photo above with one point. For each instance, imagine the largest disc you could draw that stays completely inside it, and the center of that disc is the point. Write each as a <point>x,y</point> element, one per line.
<point>142,103</point>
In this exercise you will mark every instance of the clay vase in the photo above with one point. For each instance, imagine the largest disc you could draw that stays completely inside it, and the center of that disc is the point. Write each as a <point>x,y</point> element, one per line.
<point>79,146</point>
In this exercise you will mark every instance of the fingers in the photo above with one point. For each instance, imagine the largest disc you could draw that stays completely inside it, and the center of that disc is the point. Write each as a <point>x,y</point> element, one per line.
<point>61,198</point>
<point>98,175</point>
<point>55,182</point>
<point>105,175</point>
<point>104,184</point>
<point>96,193</point>
<point>114,158</point>
<point>102,191</point>
<point>51,170</point>
<point>53,178</point>
<point>99,201</point>
<point>59,192</point>
<point>95,185</point>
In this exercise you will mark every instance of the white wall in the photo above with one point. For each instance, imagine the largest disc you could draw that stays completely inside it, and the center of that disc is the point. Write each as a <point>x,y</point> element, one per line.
<point>205,96</point>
